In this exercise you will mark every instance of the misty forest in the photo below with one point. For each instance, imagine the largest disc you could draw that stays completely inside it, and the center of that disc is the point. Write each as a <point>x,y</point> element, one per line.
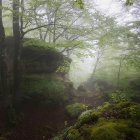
<point>69,69</point>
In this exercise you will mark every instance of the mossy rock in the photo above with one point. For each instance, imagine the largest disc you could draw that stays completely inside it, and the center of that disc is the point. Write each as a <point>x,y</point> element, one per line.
<point>122,110</point>
<point>118,130</point>
<point>92,125</point>
<point>74,110</point>
<point>43,90</point>
<point>73,134</point>
<point>59,137</point>
<point>36,59</point>
<point>106,130</point>
<point>88,117</point>
<point>37,56</point>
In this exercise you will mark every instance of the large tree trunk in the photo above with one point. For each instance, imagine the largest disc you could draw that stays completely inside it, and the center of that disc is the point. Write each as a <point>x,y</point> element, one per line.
<point>3,75</point>
<point>16,34</point>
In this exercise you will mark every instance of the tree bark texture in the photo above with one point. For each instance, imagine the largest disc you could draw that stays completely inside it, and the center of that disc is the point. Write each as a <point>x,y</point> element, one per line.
<point>16,34</point>
<point>3,71</point>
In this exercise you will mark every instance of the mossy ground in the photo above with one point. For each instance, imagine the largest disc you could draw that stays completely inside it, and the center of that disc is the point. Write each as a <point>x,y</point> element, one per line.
<point>96,126</point>
<point>74,110</point>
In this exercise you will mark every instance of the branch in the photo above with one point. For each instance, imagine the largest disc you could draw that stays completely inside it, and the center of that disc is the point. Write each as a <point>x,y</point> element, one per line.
<point>67,28</point>
<point>27,31</point>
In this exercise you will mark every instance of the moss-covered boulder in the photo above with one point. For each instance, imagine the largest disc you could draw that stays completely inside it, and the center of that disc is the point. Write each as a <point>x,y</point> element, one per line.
<point>88,117</point>
<point>74,110</point>
<point>122,110</point>
<point>121,123</point>
<point>38,56</point>
<point>114,130</point>
<point>105,130</point>
<point>74,134</point>
<point>43,89</point>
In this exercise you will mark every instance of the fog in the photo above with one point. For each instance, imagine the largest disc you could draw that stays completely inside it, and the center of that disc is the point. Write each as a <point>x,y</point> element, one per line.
<point>80,69</point>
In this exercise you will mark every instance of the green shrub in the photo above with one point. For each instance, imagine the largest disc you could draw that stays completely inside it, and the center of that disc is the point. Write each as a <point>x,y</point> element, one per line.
<point>64,68</point>
<point>103,107</point>
<point>88,117</point>
<point>74,110</point>
<point>119,96</point>
<point>73,134</point>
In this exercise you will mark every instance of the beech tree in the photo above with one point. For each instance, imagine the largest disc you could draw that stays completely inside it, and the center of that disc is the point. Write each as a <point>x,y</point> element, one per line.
<point>3,71</point>
<point>16,35</point>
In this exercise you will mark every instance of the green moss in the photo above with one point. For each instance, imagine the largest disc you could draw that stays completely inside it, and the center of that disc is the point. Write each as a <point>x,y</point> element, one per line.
<point>73,134</point>
<point>111,130</point>
<point>29,42</point>
<point>40,89</point>
<point>60,137</point>
<point>128,130</point>
<point>91,125</point>
<point>40,57</point>
<point>122,110</point>
<point>105,132</point>
<point>88,117</point>
<point>74,110</point>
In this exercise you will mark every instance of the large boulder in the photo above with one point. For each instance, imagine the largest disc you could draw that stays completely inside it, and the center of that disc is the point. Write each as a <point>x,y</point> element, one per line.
<point>36,56</point>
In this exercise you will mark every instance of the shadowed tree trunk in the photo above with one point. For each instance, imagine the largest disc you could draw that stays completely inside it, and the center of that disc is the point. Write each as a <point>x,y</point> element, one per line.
<point>3,76</point>
<point>16,34</point>
<point>119,70</point>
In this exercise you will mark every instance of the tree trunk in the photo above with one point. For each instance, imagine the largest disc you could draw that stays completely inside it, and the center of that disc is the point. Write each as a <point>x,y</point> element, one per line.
<point>54,27</point>
<point>3,71</point>
<point>54,32</point>
<point>99,54</point>
<point>16,34</point>
<point>119,73</point>
<point>21,19</point>
<point>95,67</point>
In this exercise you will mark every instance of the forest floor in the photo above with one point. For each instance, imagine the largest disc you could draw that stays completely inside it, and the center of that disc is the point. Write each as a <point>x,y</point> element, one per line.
<point>43,122</point>
<point>40,123</point>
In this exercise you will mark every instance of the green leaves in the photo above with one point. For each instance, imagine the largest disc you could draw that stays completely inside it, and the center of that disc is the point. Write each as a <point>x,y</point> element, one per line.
<point>64,68</point>
<point>129,2</point>
<point>79,3</point>
<point>120,96</point>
